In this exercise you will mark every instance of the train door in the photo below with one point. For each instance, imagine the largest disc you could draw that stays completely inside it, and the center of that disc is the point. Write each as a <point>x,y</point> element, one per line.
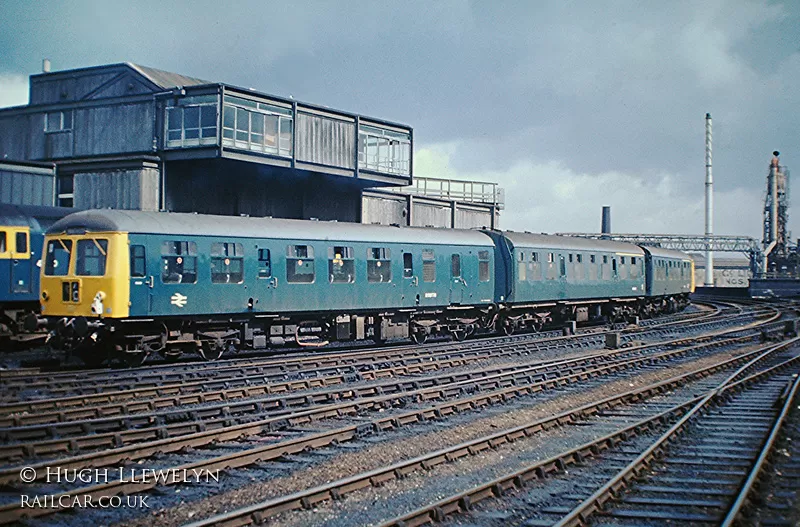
<point>21,267</point>
<point>266,290</point>
<point>411,290</point>
<point>457,282</point>
<point>142,282</point>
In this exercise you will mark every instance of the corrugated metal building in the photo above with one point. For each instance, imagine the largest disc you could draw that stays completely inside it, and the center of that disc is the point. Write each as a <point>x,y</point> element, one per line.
<point>27,183</point>
<point>130,137</point>
<point>728,272</point>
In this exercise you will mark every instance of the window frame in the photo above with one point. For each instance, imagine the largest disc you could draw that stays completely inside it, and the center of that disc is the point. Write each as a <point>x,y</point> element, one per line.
<point>181,252</point>
<point>378,257</point>
<point>293,258</point>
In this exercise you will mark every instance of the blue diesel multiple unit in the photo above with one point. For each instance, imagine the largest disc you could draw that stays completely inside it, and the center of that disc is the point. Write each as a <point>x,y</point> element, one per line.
<point>137,282</point>
<point>22,229</point>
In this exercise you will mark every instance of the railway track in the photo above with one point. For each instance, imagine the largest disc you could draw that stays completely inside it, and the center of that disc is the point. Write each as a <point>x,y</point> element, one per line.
<point>254,420</point>
<point>194,377</point>
<point>464,501</point>
<point>493,392</point>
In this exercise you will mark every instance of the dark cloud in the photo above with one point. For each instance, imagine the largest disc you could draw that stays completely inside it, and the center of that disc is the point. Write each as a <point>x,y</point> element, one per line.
<point>596,86</point>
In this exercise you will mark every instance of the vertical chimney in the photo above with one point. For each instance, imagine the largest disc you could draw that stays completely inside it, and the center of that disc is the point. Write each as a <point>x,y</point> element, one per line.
<point>605,225</point>
<point>46,66</point>
<point>709,280</point>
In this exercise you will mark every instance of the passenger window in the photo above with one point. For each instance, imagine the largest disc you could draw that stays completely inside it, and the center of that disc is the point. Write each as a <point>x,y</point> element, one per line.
<point>428,265</point>
<point>455,266</point>
<point>300,264</point>
<point>379,265</point>
<point>264,264</point>
<point>580,258</point>
<point>227,263</point>
<point>91,257</point>
<point>563,262</point>
<point>22,242</point>
<point>591,259</point>
<point>521,267</point>
<point>605,259</point>
<point>570,257</point>
<point>613,266</point>
<point>408,265</point>
<point>179,262</point>
<point>56,262</point>
<point>341,266</point>
<point>622,260</point>
<point>483,266</point>
<point>138,261</point>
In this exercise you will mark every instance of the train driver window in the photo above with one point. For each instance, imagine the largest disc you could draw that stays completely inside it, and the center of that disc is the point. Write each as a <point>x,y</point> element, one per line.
<point>91,257</point>
<point>341,266</point>
<point>300,264</point>
<point>264,264</point>
<point>379,265</point>
<point>2,241</point>
<point>179,262</point>
<point>408,265</point>
<point>138,261</point>
<point>22,242</point>
<point>483,266</point>
<point>56,262</point>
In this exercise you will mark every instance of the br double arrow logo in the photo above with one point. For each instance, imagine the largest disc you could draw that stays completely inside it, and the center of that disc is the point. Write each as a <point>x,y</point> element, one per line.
<point>178,300</point>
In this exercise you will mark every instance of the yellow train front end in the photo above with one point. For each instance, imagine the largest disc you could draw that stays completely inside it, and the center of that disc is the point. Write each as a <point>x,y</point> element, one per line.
<point>84,280</point>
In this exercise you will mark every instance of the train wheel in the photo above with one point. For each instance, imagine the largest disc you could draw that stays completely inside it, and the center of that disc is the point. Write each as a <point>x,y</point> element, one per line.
<point>537,326</point>
<point>508,327</point>
<point>211,350</point>
<point>460,334</point>
<point>419,337</point>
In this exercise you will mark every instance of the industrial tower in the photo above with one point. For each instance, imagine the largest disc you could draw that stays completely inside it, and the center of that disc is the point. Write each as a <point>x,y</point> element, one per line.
<point>776,215</point>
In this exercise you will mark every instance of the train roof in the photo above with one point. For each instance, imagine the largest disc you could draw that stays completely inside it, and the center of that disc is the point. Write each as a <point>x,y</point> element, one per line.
<point>551,241</point>
<point>34,216</point>
<point>189,224</point>
<point>667,253</point>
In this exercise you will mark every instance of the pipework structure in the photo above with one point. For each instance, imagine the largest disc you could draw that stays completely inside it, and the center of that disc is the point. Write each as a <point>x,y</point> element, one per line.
<point>709,279</point>
<point>776,213</point>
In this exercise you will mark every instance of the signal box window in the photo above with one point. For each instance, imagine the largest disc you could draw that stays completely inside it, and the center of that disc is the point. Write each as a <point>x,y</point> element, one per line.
<point>91,257</point>
<point>483,266</point>
<point>408,265</point>
<point>179,262</point>
<point>138,261</point>
<point>341,266</point>
<point>379,265</point>
<point>56,262</point>
<point>299,264</point>
<point>428,265</point>
<point>22,242</point>
<point>264,264</point>
<point>227,263</point>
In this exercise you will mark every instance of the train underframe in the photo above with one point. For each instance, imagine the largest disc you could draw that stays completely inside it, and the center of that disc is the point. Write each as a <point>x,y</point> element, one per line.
<point>95,340</point>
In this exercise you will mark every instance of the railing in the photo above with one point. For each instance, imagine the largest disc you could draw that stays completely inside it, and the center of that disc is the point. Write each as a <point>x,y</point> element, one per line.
<point>456,190</point>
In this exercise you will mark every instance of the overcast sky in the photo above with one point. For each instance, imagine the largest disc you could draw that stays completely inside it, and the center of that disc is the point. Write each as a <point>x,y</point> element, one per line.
<point>567,105</point>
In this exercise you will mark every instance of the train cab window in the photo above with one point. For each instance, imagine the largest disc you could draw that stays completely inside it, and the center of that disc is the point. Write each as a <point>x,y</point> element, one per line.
<point>379,265</point>
<point>408,265</point>
<point>22,242</point>
<point>264,264</point>
<point>179,262</point>
<point>227,263</point>
<point>56,262</point>
<point>300,264</point>
<point>341,266</point>
<point>2,241</point>
<point>483,266</point>
<point>455,266</point>
<point>138,261</point>
<point>428,265</point>
<point>91,257</point>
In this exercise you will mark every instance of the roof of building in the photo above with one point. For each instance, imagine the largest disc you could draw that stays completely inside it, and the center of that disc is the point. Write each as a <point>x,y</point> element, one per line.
<point>183,224</point>
<point>166,79</point>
